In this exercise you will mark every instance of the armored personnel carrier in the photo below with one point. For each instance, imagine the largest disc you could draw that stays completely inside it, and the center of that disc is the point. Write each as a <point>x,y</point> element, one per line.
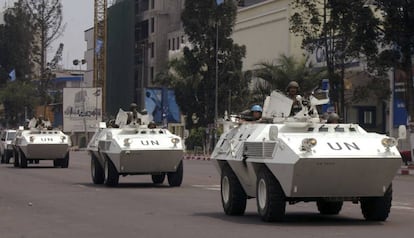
<point>135,148</point>
<point>40,142</point>
<point>285,160</point>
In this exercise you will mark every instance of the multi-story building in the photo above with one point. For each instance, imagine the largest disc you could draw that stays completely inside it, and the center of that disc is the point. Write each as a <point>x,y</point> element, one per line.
<point>140,34</point>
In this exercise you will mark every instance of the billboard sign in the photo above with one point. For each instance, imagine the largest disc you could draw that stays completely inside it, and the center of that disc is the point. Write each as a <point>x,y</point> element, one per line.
<point>161,105</point>
<point>82,109</point>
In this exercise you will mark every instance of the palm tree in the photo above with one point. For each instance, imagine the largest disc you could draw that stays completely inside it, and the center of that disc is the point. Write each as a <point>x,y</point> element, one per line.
<point>277,74</point>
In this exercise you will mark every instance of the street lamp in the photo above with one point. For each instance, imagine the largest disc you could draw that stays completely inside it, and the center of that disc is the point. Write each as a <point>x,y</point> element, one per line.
<point>83,114</point>
<point>143,49</point>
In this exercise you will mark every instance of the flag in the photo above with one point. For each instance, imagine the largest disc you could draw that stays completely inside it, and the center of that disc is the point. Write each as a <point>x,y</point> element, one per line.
<point>219,2</point>
<point>99,44</point>
<point>12,75</point>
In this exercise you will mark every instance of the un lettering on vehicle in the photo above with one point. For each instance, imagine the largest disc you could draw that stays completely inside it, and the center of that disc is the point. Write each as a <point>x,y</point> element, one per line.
<point>150,142</point>
<point>343,146</point>
<point>46,139</point>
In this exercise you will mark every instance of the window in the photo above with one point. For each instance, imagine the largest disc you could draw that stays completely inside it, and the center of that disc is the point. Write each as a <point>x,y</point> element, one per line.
<point>152,25</point>
<point>173,44</point>
<point>152,4</point>
<point>169,44</point>
<point>152,46</point>
<point>367,116</point>
<point>178,43</point>
<point>152,73</point>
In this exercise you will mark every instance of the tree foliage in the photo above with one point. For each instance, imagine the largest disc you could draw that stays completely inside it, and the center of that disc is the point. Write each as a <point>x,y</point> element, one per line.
<point>277,74</point>
<point>48,25</point>
<point>346,30</point>
<point>397,23</point>
<point>16,37</point>
<point>18,97</point>
<point>193,76</point>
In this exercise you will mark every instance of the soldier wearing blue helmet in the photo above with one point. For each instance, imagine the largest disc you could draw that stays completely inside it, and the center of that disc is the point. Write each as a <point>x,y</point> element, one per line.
<point>256,111</point>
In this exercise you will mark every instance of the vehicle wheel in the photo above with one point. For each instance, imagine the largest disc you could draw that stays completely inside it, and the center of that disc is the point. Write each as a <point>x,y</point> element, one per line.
<point>64,163</point>
<point>176,178</point>
<point>111,175</point>
<point>233,197</point>
<point>329,207</point>
<point>377,208</point>
<point>7,157</point>
<point>271,200</point>
<point>23,160</point>
<point>158,178</point>
<point>16,159</point>
<point>56,163</point>
<point>97,172</point>
<point>2,158</point>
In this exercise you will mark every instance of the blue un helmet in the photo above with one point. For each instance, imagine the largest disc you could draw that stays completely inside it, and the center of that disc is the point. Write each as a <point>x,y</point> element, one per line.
<point>256,108</point>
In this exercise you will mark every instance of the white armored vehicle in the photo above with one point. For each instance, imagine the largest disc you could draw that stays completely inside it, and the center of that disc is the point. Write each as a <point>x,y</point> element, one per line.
<point>6,148</point>
<point>40,142</point>
<point>135,149</point>
<point>304,159</point>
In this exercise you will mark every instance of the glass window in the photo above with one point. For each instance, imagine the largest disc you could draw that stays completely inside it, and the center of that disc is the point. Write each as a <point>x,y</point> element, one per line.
<point>152,25</point>
<point>152,46</point>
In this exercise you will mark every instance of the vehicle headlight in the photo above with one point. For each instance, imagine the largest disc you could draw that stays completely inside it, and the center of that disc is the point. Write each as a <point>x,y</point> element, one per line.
<point>31,138</point>
<point>63,138</point>
<point>308,144</point>
<point>389,142</point>
<point>175,141</point>
<point>127,142</point>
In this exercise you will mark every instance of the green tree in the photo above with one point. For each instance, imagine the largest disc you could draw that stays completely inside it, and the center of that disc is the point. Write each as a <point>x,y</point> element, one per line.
<point>209,28</point>
<point>346,30</point>
<point>397,23</point>
<point>18,97</point>
<point>48,25</point>
<point>16,37</point>
<point>277,74</point>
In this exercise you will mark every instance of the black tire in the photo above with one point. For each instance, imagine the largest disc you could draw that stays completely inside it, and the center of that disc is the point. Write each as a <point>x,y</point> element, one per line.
<point>377,208</point>
<point>271,200</point>
<point>176,178</point>
<point>97,172</point>
<point>329,207</point>
<point>7,156</point>
<point>16,162</point>
<point>111,176</point>
<point>64,163</point>
<point>158,178</point>
<point>57,163</point>
<point>23,160</point>
<point>233,196</point>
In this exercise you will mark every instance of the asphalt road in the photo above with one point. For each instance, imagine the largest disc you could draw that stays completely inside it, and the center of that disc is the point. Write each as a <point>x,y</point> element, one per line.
<point>42,201</point>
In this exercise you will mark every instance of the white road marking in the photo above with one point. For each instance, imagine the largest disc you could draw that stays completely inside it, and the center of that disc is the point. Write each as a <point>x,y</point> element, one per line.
<point>213,187</point>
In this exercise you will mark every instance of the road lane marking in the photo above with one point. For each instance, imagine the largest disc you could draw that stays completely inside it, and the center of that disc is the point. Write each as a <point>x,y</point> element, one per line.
<point>212,187</point>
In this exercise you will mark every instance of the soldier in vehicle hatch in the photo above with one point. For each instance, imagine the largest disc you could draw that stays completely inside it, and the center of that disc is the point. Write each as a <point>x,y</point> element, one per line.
<point>133,115</point>
<point>292,90</point>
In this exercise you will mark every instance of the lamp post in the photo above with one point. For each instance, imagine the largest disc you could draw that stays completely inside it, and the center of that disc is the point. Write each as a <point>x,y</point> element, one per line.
<point>83,114</point>
<point>143,49</point>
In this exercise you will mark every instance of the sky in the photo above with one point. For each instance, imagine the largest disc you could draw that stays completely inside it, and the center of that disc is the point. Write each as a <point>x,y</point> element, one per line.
<point>78,17</point>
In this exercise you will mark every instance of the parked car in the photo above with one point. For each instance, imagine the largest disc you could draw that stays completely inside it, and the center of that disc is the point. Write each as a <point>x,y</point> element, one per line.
<point>6,149</point>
